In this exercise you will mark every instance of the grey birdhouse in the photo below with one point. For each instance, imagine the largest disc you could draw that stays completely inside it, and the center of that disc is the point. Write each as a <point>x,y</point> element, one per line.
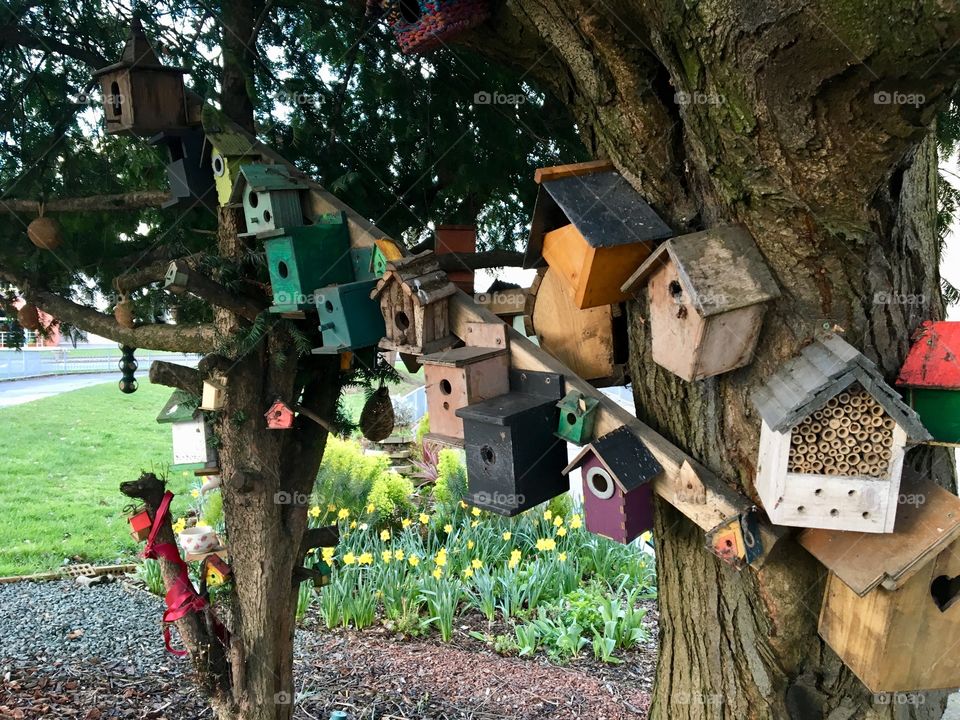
<point>188,169</point>
<point>191,433</point>
<point>270,196</point>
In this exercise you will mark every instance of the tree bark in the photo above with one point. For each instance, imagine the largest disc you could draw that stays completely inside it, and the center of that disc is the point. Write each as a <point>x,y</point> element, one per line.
<point>127,201</point>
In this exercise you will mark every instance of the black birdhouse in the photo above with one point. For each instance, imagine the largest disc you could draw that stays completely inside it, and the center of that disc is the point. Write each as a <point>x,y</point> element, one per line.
<point>140,95</point>
<point>423,25</point>
<point>188,169</point>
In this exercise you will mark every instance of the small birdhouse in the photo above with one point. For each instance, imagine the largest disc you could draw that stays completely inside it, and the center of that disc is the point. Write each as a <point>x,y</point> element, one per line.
<point>280,416</point>
<point>890,608</point>
<point>514,461</point>
<point>736,540</point>
<point>188,169</point>
<point>324,574</point>
<point>577,415</point>
<point>270,196</point>
<point>216,570</point>
<point>423,25</point>
<point>414,295</point>
<point>214,394</point>
<point>707,296</point>
<point>832,441</point>
<point>369,263</point>
<point>617,493</point>
<point>931,378</point>
<point>593,227</point>
<point>140,525</point>
<point>142,97</point>
<point>191,433</point>
<point>349,319</point>
<point>302,259</point>
<point>228,151</point>
<point>460,240</point>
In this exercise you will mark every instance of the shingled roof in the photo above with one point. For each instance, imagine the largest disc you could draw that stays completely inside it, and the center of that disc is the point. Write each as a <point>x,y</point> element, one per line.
<point>138,54</point>
<point>420,276</point>
<point>624,455</point>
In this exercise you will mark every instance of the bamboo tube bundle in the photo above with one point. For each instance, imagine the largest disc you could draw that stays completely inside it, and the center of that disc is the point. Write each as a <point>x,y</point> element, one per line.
<point>889,424</point>
<point>795,439</point>
<point>832,402</point>
<point>827,436</point>
<point>843,399</point>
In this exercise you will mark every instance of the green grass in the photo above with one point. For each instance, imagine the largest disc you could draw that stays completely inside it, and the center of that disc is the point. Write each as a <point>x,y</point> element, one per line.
<point>64,459</point>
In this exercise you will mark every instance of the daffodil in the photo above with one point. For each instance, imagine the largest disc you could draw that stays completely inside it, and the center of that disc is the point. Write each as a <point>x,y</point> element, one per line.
<point>405,523</point>
<point>476,563</point>
<point>331,508</point>
<point>507,535</point>
<point>371,507</point>
<point>470,544</point>
<point>557,521</point>
<point>514,559</point>
<point>448,528</point>
<point>424,518</point>
<point>575,522</point>
<point>195,493</point>
<point>353,524</point>
<point>463,505</point>
<point>349,559</point>
<point>365,559</point>
<point>413,560</point>
<point>343,513</point>
<point>475,512</point>
<point>562,557</point>
<point>474,523</point>
<point>440,558</point>
<point>468,573</point>
<point>398,555</point>
<point>364,527</point>
<point>438,573</point>
<point>384,535</point>
<point>547,515</point>
<point>386,556</point>
<point>327,554</point>
<point>561,532</point>
<point>546,544</point>
<point>179,526</point>
<point>315,511</point>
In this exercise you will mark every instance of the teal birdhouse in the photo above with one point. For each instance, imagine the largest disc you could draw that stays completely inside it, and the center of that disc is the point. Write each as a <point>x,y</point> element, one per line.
<point>349,318</point>
<point>302,259</point>
<point>578,413</point>
<point>369,263</point>
<point>270,196</point>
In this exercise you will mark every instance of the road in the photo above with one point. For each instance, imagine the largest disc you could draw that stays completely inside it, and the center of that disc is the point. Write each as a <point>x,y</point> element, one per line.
<point>17,392</point>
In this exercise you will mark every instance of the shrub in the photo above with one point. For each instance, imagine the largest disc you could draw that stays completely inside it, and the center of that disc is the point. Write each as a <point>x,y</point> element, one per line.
<point>451,485</point>
<point>213,510</point>
<point>346,475</point>
<point>391,495</point>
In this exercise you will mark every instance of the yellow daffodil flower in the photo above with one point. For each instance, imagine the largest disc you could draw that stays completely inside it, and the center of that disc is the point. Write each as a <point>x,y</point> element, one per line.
<point>440,558</point>
<point>557,521</point>
<point>562,557</point>
<point>476,563</point>
<point>195,493</point>
<point>438,573</point>
<point>514,559</point>
<point>463,505</point>
<point>353,524</point>
<point>398,555</point>
<point>179,526</point>
<point>448,528</point>
<point>365,559</point>
<point>384,535</point>
<point>470,544</point>
<point>371,507</point>
<point>327,554</point>
<point>386,556</point>
<point>424,518</point>
<point>468,573</point>
<point>315,511</point>
<point>413,560</point>
<point>475,512</point>
<point>561,532</point>
<point>474,523</point>
<point>405,523</point>
<point>575,522</point>
<point>349,559</point>
<point>331,508</point>
<point>507,535</point>
<point>343,514</point>
<point>547,515</point>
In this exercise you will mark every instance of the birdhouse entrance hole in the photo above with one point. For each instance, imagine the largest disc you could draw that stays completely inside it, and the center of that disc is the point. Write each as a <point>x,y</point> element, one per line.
<point>329,306</point>
<point>253,198</point>
<point>571,418</point>
<point>403,323</point>
<point>116,101</point>
<point>282,269</point>
<point>600,483</point>
<point>945,591</point>
<point>675,290</point>
<point>218,167</point>
<point>487,455</point>
<point>445,387</point>
<point>410,10</point>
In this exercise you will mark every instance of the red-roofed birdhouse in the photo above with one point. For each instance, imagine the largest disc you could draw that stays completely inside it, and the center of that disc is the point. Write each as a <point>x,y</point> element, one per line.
<point>931,377</point>
<point>217,571</point>
<point>140,525</point>
<point>280,416</point>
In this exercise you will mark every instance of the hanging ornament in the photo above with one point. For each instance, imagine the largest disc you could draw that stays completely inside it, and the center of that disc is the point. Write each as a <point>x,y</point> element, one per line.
<point>45,232</point>
<point>127,365</point>
<point>123,312</point>
<point>376,420</point>
<point>29,317</point>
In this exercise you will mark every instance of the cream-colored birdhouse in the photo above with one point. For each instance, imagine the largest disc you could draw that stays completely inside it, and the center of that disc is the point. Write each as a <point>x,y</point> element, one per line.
<point>214,394</point>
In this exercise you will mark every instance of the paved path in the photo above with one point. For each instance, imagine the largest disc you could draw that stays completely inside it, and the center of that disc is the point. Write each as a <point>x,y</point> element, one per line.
<point>17,392</point>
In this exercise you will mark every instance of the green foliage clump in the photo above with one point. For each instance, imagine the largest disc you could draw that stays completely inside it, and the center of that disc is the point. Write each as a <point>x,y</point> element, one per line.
<point>391,496</point>
<point>451,485</point>
<point>212,510</point>
<point>347,476</point>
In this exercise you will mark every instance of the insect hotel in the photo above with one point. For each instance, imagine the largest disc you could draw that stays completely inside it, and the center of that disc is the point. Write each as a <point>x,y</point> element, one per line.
<point>228,151</point>
<point>270,197</point>
<point>514,461</point>
<point>832,441</point>
<point>414,296</point>
<point>424,25</point>
<point>931,378</point>
<point>188,169</point>
<point>889,609</point>
<point>617,495</point>
<point>707,295</point>
<point>191,434</point>
<point>141,96</point>
<point>578,412</point>
<point>593,228</point>
<point>349,318</point>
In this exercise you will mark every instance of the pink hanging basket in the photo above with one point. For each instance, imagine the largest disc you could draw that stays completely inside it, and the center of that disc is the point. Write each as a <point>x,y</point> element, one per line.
<point>423,25</point>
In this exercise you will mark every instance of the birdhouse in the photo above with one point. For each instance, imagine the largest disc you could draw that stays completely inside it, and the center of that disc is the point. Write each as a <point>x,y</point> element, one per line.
<point>141,97</point>
<point>270,197</point>
<point>188,169</point>
<point>369,263</point>
<point>216,570</point>
<point>514,461</point>
<point>460,240</point>
<point>214,394</point>
<point>302,259</point>
<point>931,378</point>
<point>228,151</point>
<point>414,295</point>
<point>349,319</point>
<point>577,415</point>
<point>324,573</point>
<point>140,525</point>
<point>832,441</point>
<point>191,433</point>
<point>707,293</point>
<point>280,416</point>
<point>890,606</point>
<point>593,228</point>
<point>423,25</point>
<point>617,493</point>
<point>737,540</point>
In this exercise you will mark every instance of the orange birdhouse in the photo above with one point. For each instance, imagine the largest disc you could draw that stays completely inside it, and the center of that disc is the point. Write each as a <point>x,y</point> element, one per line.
<point>217,572</point>
<point>280,416</point>
<point>140,525</point>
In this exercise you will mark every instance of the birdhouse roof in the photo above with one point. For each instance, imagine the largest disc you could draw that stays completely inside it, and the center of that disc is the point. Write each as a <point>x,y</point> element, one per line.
<point>181,407</point>
<point>137,54</point>
<point>624,455</point>
<point>261,177</point>
<point>604,208</point>
<point>278,405</point>
<point>720,269</point>
<point>420,276</point>
<point>577,401</point>
<point>824,369</point>
<point>232,144</point>
<point>934,360</point>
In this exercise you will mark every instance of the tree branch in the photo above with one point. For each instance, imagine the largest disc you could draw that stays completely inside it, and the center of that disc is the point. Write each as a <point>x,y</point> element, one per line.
<point>176,376</point>
<point>481,260</point>
<point>27,38</point>
<point>196,283</point>
<point>125,201</point>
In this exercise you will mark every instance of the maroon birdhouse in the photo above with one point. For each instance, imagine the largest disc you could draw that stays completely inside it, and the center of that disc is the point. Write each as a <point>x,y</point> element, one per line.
<point>280,416</point>
<point>140,525</point>
<point>617,470</point>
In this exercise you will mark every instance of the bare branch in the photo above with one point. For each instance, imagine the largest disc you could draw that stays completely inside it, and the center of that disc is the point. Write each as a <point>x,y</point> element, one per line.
<point>196,283</point>
<point>125,201</point>
<point>176,376</point>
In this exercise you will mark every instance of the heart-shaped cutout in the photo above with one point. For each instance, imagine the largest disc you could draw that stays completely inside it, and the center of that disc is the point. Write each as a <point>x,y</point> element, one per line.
<point>945,591</point>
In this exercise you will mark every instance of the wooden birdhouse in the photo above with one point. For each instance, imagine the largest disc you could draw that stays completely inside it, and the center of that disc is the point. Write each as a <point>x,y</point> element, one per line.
<point>140,525</point>
<point>216,570</point>
<point>214,394</point>
<point>832,441</point>
<point>188,168</point>
<point>369,263</point>
<point>228,151</point>
<point>423,25</point>
<point>461,377</point>
<point>931,378</point>
<point>594,228</point>
<point>514,461</point>
<point>302,259</point>
<point>280,416</point>
<point>460,240</point>
<point>577,415</point>
<point>270,196</point>
<point>707,296</point>
<point>890,608</point>
<point>191,433</point>
<point>414,296</point>
<point>617,470</point>
<point>349,318</point>
<point>140,96</point>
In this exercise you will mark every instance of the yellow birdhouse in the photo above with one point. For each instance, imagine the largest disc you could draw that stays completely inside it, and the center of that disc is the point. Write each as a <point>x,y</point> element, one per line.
<point>228,151</point>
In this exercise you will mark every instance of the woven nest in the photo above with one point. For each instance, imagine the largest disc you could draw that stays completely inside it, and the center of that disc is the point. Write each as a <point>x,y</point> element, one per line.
<point>377,418</point>
<point>438,21</point>
<point>46,233</point>
<point>29,317</point>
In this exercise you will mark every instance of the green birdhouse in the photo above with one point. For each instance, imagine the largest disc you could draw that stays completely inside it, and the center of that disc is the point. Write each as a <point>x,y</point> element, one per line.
<point>302,259</point>
<point>931,378</point>
<point>349,318</point>
<point>578,413</point>
<point>369,263</point>
<point>270,197</point>
<point>228,151</point>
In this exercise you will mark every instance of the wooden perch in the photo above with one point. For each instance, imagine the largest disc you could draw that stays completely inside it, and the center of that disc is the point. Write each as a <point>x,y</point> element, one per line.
<point>176,376</point>
<point>127,201</point>
<point>181,278</point>
<point>328,536</point>
<point>316,418</point>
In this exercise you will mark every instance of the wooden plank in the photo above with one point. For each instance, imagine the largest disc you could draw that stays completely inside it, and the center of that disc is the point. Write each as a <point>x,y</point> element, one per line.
<point>505,303</point>
<point>564,171</point>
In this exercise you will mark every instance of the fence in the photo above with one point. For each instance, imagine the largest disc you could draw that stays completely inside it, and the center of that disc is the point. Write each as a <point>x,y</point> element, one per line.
<point>34,363</point>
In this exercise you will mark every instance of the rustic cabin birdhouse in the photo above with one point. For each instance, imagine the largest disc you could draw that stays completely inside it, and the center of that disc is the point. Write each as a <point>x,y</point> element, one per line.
<point>349,318</point>
<point>280,416</point>
<point>423,25</point>
<point>890,608</point>
<point>832,441</point>
<point>270,196</point>
<point>216,570</point>
<point>577,415</point>
<point>593,227</point>
<point>140,525</point>
<point>228,151</point>
<point>707,296</point>
<point>188,168</point>
<point>931,378</point>
<point>191,433</point>
<point>414,295</point>
<point>514,461</point>
<point>214,394</point>
<point>140,96</point>
<point>302,259</point>
<point>617,470</point>
<point>369,263</point>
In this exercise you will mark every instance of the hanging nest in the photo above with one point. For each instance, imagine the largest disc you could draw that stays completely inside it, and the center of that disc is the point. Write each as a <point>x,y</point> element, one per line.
<point>376,420</point>
<point>29,317</point>
<point>45,232</point>
<point>123,312</point>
